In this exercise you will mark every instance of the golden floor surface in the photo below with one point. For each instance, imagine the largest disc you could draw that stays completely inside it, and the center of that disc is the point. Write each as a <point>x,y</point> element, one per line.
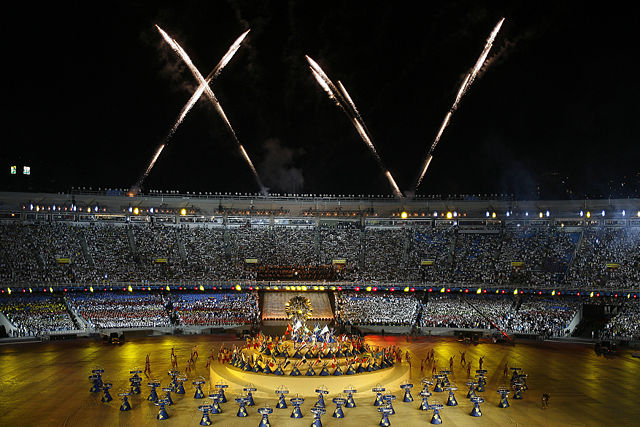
<point>47,384</point>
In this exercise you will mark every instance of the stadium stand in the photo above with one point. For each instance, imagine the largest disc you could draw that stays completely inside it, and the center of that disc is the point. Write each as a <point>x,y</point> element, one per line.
<point>535,256</point>
<point>33,315</point>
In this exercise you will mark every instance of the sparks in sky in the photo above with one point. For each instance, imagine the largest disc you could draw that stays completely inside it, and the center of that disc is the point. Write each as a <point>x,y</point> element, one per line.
<point>206,89</point>
<point>343,100</point>
<point>466,84</point>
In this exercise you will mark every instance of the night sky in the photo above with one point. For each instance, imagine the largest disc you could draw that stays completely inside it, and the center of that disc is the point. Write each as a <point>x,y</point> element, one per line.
<point>90,90</point>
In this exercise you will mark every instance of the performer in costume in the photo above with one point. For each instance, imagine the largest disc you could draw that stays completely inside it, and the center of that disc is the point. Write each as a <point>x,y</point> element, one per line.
<point>147,367</point>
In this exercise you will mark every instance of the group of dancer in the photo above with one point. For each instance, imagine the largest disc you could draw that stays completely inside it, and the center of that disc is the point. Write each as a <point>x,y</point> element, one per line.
<point>173,358</point>
<point>431,361</point>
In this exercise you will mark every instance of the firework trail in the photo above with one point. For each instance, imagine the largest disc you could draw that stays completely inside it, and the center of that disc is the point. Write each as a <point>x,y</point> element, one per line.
<point>202,88</point>
<point>342,99</point>
<point>212,76</point>
<point>194,98</point>
<point>464,87</point>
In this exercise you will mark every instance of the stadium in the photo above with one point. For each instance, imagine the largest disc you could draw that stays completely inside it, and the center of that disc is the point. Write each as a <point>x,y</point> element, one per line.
<point>306,267</point>
<point>208,269</point>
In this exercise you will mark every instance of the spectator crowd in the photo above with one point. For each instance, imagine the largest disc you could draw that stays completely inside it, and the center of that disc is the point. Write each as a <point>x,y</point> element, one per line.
<point>531,255</point>
<point>220,309</point>
<point>34,315</point>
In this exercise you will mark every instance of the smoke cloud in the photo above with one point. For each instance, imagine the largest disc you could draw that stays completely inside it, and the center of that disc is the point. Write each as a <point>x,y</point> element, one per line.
<point>276,168</point>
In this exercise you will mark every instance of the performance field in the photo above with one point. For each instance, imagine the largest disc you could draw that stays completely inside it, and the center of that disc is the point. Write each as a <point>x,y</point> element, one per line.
<point>47,383</point>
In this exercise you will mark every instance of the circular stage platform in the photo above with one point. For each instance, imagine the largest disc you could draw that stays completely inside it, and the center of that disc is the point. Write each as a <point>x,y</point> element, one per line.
<point>305,386</point>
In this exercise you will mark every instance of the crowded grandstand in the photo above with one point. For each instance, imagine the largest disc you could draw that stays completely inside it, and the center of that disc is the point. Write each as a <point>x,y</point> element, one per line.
<point>105,263</point>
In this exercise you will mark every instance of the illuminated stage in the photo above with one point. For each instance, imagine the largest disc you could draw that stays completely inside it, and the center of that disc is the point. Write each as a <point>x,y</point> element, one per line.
<point>305,386</point>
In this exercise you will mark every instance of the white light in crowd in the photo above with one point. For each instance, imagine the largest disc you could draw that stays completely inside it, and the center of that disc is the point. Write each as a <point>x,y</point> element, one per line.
<point>624,212</point>
<point>602,213</point>
<point>31,207</point>
<point>455,214</point>
<point>507,214</point>
<point>581,213</point>
<point>526,214</point>
<point>487,214</point>
<point>547,213</point>
<point>130,209</point>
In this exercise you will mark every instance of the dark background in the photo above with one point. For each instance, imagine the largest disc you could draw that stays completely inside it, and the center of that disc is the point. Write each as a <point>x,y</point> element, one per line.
<point>90,89</point>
